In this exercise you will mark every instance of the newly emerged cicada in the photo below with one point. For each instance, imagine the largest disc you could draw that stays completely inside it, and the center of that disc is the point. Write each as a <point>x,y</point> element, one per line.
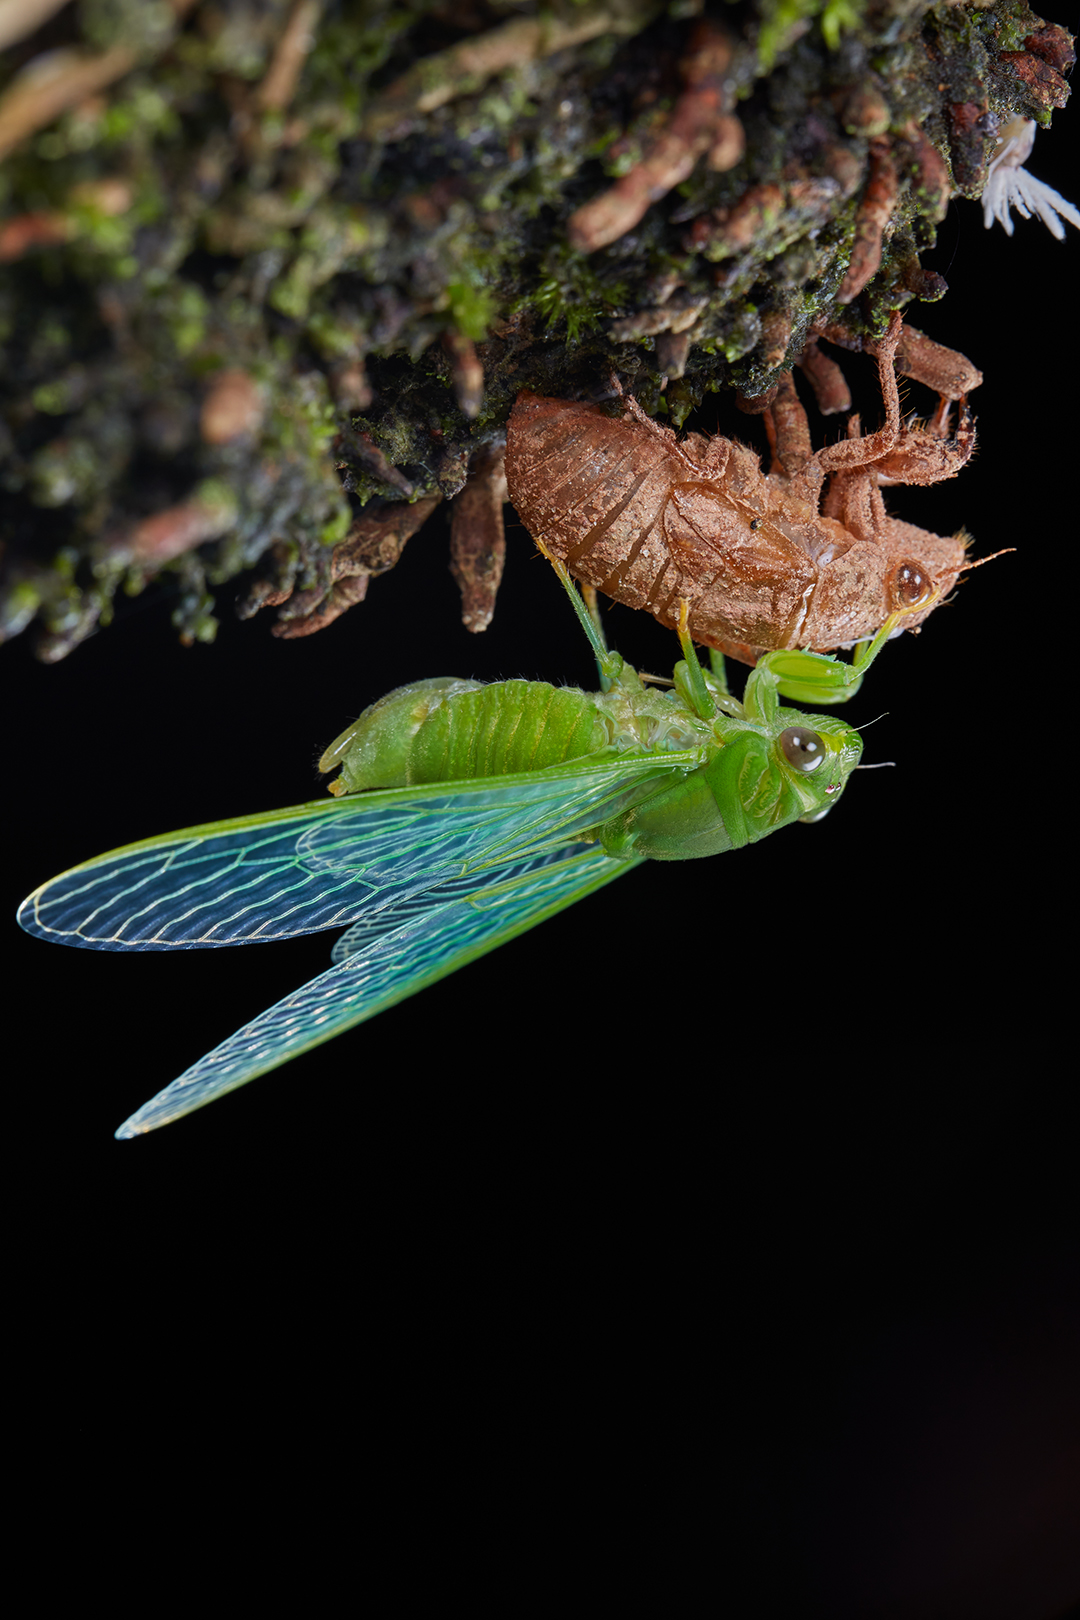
<point>803,556</point>
<point>463,814</point>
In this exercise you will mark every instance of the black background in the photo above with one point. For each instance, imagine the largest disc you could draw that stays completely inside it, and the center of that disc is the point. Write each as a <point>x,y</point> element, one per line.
<point>762,1164</point>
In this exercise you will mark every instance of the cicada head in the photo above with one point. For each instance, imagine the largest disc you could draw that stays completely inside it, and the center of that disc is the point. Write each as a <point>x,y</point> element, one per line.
<point>815,755</point>
<point>858,591</point>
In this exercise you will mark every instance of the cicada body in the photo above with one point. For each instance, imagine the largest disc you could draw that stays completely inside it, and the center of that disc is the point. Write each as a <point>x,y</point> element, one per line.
<point>462,815</point>
<point>804,556</point>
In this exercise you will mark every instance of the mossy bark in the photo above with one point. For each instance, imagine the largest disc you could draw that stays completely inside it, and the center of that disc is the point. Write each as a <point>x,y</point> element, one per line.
<point>262,266</point>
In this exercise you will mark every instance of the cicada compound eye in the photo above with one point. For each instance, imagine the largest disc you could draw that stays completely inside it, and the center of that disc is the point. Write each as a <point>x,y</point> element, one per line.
<point>803,748</point>
<point>911,586</point>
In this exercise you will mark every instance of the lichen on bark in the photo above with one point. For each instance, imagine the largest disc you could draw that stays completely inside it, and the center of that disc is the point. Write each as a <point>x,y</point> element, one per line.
<point>267,272</point>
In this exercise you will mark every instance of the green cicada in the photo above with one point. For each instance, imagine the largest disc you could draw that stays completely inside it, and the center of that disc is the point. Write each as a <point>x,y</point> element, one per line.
<point>463,815</point>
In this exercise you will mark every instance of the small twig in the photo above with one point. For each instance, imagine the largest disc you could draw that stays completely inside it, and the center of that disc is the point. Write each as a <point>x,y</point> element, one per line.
<point>20,17</point>
<point>700,122</point>
<point>50,84</point>
<point>372,546</point>
<point>478,538</point>
<point>465,67</point>
<point>297,38</point>
<point>468,373</point>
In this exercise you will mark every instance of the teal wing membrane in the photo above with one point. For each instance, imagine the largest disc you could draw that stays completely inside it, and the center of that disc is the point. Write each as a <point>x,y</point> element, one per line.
<point>388,956</point>
<point>429,878</point>
<point>324,865</point>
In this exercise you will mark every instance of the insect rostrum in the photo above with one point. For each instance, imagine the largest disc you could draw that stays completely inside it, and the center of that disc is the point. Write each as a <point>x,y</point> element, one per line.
<point>766,561</point>
<point>463,815</point>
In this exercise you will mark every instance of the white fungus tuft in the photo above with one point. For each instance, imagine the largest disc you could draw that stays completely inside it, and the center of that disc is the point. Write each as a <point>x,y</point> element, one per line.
<point>1008,185</point>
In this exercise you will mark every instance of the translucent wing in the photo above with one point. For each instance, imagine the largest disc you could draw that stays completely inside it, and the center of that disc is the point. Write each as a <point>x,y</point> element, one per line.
<point>326,864</point>
<point>388,956</point>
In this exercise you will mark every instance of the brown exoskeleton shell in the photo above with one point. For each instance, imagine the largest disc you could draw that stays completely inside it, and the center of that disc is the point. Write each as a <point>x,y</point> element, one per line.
<point>765,561</point>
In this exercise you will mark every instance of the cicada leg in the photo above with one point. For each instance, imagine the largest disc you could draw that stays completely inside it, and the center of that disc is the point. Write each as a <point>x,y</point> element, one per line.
<point>716,677</point>
<point>611,667</point>
<point>718,669</point>
<point>808,677</point>
<point>593,608</point>
<point>690,682</point>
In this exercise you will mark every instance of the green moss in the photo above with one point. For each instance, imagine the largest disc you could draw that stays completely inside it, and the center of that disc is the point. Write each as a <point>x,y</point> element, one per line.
<point>575,292</point>
<point>54,398</point>
<point>64,470</point>
<point>840,17</point>
<point>336,527</point>
<point>1011,22</point>
<point>183,309</point>
<point>782,22</point>
<point>19,607</point>
<point>473,309</point>
<point>336,334</point>
<point>219,499</point>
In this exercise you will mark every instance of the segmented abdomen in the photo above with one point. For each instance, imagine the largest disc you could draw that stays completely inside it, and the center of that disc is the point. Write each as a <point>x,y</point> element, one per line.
<point>593,488</point>
<point>502,728</point>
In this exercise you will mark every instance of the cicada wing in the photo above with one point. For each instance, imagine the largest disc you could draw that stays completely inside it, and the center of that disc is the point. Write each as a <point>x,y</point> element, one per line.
<point>220,884</point>
<point>387,957</point>
<point>324,865</point>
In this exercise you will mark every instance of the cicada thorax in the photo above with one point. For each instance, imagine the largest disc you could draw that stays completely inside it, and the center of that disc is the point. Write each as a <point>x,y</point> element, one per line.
<point>748,568</point>
<point>747,786</point>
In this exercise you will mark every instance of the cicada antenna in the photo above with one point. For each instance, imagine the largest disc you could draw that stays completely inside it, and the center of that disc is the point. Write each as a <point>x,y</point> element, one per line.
<point>978,562</point>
